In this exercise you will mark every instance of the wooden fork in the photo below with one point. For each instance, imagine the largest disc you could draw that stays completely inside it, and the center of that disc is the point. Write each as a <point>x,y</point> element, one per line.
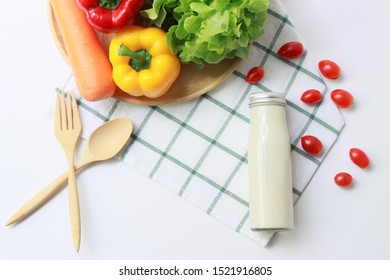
<point>67,130</point>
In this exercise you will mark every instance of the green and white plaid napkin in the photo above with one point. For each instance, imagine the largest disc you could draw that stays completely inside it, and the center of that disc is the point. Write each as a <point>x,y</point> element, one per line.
<point>198,149</point>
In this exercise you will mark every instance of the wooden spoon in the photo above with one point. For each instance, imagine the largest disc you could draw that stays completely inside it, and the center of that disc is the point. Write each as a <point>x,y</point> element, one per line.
<point>104,143</point>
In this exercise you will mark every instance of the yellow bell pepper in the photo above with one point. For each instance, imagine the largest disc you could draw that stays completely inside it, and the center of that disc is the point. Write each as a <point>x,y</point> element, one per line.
<point>142,63</point>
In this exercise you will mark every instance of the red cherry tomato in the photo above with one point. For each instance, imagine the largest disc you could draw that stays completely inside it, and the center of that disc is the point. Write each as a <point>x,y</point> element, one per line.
<point>341,98</point>
<point>311,96</point>
<point>311,144</point>
<point>329,69</point>
<point>343,179</point>
<point>291,50</point>
<point>359,157</point>
<point>255,75</point>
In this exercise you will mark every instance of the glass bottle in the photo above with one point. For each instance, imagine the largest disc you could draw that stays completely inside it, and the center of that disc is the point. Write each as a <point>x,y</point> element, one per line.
<point>269,161</point>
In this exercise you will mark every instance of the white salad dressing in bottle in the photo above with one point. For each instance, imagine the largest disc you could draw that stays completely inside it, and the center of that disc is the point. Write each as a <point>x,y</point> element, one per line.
<point>269,161</point>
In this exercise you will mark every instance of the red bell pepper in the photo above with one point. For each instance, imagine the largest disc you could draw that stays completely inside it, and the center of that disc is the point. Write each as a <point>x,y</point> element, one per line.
<point>109,16</point>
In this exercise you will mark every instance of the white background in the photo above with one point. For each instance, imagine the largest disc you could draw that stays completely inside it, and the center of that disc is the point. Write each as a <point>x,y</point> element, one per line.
<point>127,216</point>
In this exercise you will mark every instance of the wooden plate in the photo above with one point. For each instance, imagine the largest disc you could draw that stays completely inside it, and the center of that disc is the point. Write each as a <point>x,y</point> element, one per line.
<point>191,83</point>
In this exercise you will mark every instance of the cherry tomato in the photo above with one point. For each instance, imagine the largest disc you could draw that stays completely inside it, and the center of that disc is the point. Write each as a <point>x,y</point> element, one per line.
<point>291,50</point>
<point>329,69</point>
<point>311,96</point>
<point>343,179</point>
<point>255,75</point>
<point>341,98</point>
<point>359,157</point>
<point>311,144</point>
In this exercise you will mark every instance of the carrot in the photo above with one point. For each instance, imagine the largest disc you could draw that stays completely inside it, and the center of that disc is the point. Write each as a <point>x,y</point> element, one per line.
<point>90,64</point>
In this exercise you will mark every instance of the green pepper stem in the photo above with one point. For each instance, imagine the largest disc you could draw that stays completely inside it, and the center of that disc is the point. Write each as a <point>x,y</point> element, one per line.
<point>109,4</point>
<point>139,59</point>
<point>125,51</point>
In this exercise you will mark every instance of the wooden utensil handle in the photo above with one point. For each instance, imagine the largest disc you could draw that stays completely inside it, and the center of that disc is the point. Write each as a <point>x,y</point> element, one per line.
<point>74,207</point>
<point>39,199</point>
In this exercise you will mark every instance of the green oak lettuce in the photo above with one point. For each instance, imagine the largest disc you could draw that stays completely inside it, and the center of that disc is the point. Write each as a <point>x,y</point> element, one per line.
<point>209,30</point>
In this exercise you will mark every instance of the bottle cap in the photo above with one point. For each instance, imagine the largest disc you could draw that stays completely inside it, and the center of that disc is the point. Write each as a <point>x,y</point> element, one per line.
<point>258,98</point>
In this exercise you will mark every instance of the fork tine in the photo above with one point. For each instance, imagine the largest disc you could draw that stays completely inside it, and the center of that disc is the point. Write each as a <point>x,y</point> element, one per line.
<point>69,115</point>
<point>57,117</point>
<point>76,114</point>
<point>63,112</point>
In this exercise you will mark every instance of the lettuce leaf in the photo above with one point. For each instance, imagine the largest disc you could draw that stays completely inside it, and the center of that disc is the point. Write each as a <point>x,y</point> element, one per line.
<point>209,30</point>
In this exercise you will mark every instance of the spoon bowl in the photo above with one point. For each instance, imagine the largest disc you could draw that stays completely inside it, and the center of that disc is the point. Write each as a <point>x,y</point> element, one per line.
<point>107,141</point>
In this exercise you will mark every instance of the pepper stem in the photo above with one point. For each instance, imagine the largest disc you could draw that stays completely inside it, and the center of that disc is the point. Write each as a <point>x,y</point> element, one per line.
<point>139,60</point>
<point>109,4</point>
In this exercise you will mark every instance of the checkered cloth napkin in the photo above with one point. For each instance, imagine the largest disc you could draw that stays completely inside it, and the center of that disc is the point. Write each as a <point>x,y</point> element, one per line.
<point>198,149</point>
